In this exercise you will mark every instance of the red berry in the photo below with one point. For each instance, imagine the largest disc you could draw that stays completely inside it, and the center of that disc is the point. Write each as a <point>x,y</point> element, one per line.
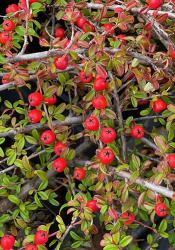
<point>108,27</point>
<point>12,8</point>
<point>48,137</point>
<point>85,78</point>
<point>106,155</point>
<point>154,4</point>
<point>87,27</point>
<point>35,99</point>
<point>118,10</point>
<point>61,62</point>
<point>107,135</point>
<point>5,78</point>
<point>91,123</point>
<point>50,100</point>
<point>128,218</point>
<point>41,237</point>
<point>8,25</point>
<point>92,205</point>
<point>161,209</point>
<point>7,242</point>
<point>100,84</point>
<point>137,132</point>
<point>59,165</point>
<point>35,115</point>
<point>121,37</point>
<point>173,55</point>
<point>59,148</point>
<point>31,247</point>
<point>159,105</point>
<point>99,102</point>
<point>80,22</point>
<point>5,37</point>
<point>59,33</point>
<point>79,173</point>
<point>33,1</point>
<point>170,160</point>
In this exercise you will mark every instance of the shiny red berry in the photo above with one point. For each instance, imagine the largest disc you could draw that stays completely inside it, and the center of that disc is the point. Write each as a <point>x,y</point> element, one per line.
<point>87,27</point>
<point>35,99</point>
<point>91,123</point>
<point>61,63</point>
<point>100,84</point>
<point>154,4</point>
<point>170,158</point>
<point>173,54</point>
<point>59,32</point>
<point>8,25</point>
<point>106,155</point>
<point>108,135</point>
<point>80,21</point>
<point>79,173</point>
<point>92,205</point>
<point>50,100</point>
<point>59,165</point>
<point>33,1</point>
<point>48,137</point>
<point>137,132</point>
<point>35,115</point>
<point>85,78</point>
<point>5,78</point>
<point>161,209</point>
<point>99,102</point>
<point>129,218</point>
<point>5,37</point>
<point>12,8</point>
<point>59,148</point>
<point>31,247</point>
<point>109,28</point>
<point>159,105</point>
<point>41,237</point>
<point>7,242</point>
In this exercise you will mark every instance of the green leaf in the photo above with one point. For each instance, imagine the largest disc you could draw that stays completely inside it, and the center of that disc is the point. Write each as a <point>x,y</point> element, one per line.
<point>61,78</point>
<point>2,59</point>
<point>60,108</point>
<point>42,175</point>
<point>135,62</point>
<point>14,199</point>
<point>37,201</point>
<point>32,32</point>
<point>11,158</point>
<point>4,218</point>
<point>76,244</point>
<point>125,241</point>
<point>75,236</point>
<point>111,247</point>
<point>20,30</point>
<point>163,226</point>
<point>43,185</point>
<point>134,101</point>
<point>30,139</point>
<point>1,152</point>
<point>43,195</point>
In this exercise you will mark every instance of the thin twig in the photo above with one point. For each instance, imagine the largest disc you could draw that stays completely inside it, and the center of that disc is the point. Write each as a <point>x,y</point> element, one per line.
<point>67,121</point>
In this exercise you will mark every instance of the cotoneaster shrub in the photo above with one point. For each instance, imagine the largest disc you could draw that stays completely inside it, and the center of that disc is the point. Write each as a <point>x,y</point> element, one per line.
<point>87,124</point>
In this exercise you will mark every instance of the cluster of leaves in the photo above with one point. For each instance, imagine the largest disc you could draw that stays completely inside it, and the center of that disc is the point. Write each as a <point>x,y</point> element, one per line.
<point>122,49</point>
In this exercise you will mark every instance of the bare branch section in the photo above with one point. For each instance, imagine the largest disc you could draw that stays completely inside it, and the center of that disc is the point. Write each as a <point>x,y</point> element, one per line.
<point>67,121</point>
<point>140,181</point>
<point>158,189</point>
<point>145,60</point>
<point>133,10</point>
